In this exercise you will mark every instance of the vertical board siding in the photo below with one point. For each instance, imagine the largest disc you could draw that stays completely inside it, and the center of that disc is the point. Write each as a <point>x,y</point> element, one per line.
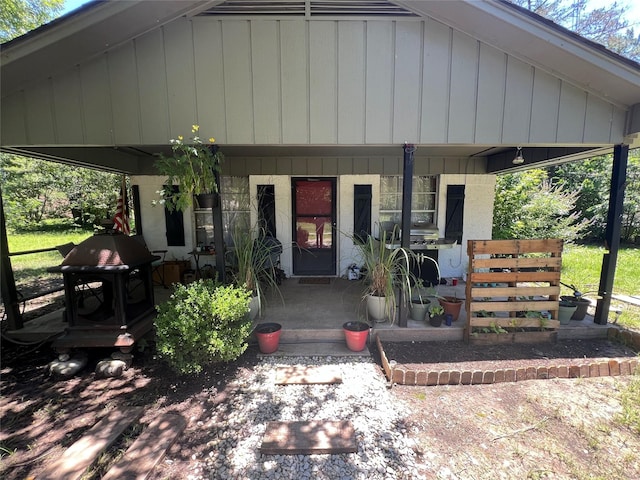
<point>152,88</point>
<point>544,109</point>
<point>351,82</point>
<point>67,108</point>
<point>178,49</point>
<point>236,47</point>
<point>265,50</point>
<point>296,82</point>
<point>379,75</point>
<point>573,104</point>
<point>435,83</point>
<point>323,74</point>
<point>294,89</point>
<point>209,72</point>
<point>13,120</point>
<point>96,102</point>
<point>517,102</point>
<point>40,127</point>
<point>464,84</point>
<point>597,126</point>
<point>407,87</point>
<point>490,106</point>
<point>124,95</point>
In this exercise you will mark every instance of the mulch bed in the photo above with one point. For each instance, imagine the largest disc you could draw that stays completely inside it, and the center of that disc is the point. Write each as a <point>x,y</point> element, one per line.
<point>453,363</point>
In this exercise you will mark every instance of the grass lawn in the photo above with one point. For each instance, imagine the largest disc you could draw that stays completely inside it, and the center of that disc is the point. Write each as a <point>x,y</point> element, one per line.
<point>31,268</point>
<point>581,267</point>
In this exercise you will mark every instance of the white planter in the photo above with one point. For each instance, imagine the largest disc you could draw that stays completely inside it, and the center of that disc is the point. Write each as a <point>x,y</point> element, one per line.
<point>376,308</point>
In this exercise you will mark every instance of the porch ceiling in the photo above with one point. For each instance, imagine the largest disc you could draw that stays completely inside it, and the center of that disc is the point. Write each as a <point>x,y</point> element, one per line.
<point>139,160</point>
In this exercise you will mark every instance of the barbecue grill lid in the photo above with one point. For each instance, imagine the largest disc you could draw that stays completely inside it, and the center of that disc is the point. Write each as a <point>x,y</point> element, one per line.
<point>108,250</point>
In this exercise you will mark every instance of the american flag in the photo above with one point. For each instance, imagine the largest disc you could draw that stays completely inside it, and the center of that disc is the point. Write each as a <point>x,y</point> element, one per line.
<point>121,219</point>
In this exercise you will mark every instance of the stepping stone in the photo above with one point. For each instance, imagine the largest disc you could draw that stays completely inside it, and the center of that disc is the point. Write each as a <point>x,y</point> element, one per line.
<point>79,456</point>
<point>148,449</point>
<point>307,438</point>
<point>324,374</point>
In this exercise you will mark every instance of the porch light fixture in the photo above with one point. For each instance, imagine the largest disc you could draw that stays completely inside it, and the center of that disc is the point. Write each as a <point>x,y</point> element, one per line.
<point>519,159</point>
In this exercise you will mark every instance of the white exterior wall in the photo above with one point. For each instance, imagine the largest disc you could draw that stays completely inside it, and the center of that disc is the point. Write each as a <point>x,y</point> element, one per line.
<point>479,193</point>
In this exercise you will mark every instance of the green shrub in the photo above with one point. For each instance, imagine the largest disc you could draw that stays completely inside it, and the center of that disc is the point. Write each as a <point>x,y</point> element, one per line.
<point>202,323</point>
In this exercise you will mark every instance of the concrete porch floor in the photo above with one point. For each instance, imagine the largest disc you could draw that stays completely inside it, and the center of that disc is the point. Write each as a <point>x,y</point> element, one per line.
<point>315,313</point>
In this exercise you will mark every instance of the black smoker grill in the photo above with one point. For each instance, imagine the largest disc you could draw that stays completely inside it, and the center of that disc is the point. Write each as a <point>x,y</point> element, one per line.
<point>108,292</point>
<point>425,243</point>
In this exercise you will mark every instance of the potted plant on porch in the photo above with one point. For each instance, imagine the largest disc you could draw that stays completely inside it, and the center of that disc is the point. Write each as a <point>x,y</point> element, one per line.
<point>419,302</point>
<point>386,270</point>
<point>193,168</point>
<point>452,305</point>
<point>252,261</point>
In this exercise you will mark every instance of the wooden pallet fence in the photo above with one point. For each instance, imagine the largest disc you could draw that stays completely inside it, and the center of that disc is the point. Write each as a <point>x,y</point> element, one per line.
<point>511,286</point>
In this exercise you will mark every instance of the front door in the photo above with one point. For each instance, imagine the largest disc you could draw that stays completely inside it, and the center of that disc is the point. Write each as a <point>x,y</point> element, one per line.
<point>314,221</point>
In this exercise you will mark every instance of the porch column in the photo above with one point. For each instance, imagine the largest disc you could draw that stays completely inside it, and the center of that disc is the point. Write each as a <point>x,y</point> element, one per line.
<point>218,233</point>
<point>407,191</point>
<point>7,280</point>
<point>612,234</point>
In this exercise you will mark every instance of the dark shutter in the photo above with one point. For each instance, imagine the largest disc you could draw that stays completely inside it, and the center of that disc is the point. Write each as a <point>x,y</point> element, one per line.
<point>362,211</point>
<point>455,213</point>
<point>137,215</point>
<point>267,208</point>
<point>174,221</point>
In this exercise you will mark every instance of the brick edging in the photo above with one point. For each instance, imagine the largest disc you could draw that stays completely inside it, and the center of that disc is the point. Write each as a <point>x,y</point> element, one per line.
<point>613,367</point>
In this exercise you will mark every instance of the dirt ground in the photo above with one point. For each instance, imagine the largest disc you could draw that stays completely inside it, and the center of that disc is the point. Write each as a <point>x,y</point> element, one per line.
<point>555,429</point>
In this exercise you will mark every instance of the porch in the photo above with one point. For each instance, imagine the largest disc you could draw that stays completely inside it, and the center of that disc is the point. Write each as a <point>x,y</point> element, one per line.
<point>314,313</point>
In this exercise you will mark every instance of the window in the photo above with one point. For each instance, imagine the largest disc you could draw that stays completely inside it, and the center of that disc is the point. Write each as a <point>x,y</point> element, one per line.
<point>234,195</point>
<point>423,199</point>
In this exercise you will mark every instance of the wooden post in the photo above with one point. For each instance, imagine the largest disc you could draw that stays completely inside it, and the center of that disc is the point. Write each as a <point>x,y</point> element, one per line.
<point>612,234</point>
<point>7,280</point>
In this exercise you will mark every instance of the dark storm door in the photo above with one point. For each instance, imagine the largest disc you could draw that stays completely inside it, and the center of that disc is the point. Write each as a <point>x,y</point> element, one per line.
<point>314,221</point>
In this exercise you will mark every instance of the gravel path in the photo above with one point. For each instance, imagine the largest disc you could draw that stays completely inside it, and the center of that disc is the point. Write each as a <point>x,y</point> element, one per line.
<point>237,426</point>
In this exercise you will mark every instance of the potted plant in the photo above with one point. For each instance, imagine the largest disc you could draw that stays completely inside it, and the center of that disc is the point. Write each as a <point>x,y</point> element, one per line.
<point>268,335</point>
<point>193,168</point>
<point>566,310</point>
<point>355,334</point>
<point>582,303</point>
<point>451,305</point>
<point>436,315</point>
<point>252,259</point>
<point>419,302</point>
<point>385,271</point>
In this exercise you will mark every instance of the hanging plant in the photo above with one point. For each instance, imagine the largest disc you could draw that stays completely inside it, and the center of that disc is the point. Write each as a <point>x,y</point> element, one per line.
<point>193,168</point>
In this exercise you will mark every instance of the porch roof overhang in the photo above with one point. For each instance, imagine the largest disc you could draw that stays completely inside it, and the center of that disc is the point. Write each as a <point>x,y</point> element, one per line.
<point>139,160</point>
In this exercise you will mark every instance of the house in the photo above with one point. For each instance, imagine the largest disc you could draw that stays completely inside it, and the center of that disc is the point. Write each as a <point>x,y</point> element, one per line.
<point>316,100</point>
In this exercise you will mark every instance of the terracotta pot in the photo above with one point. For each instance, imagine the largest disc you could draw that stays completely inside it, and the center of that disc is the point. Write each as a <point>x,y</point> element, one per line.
<point>268,336</point>
<point>356,333</point>
<point>452,306</point>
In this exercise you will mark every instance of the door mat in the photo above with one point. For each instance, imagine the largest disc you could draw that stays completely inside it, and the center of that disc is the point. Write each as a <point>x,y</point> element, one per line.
<point>314,281</point>
<point>307,438</point>
<point>324,374</point>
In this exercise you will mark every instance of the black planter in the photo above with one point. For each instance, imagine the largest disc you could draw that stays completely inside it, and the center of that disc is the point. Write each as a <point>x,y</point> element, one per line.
<point>207,200</point>
<point>582,303</point>
<point>436,320</point>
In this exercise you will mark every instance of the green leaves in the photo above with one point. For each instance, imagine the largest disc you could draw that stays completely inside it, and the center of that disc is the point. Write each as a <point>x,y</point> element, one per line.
<point>202,323</point>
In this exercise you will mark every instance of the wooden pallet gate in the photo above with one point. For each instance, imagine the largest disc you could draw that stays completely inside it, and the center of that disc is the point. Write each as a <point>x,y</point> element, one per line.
<point>512,285</point>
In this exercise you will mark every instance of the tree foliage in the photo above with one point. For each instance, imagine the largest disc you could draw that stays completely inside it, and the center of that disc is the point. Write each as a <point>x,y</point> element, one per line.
<point>606,25</point>
<point>17,17</point>
<point>528,205</point>
<point>36,190</point>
